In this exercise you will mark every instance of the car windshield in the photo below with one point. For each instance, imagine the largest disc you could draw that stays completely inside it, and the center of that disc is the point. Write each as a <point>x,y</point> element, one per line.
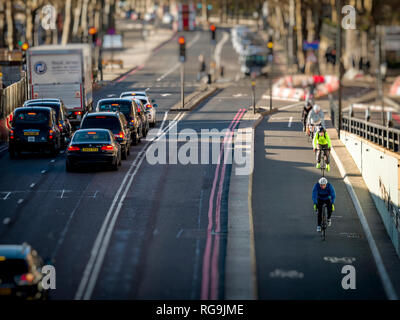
<point>91,136</point>
<point>123,106</point>
<point>35,116</point>
<point>104,122</point>
<point>12,267</point>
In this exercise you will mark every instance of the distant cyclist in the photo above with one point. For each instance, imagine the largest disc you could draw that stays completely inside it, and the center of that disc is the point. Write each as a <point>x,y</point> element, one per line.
<point>322,144</point>
<point>323,193</point>
<point>316,117</point>
<point>308,105</point>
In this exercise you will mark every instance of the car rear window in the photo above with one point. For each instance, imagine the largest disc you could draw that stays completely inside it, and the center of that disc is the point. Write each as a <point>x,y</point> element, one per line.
<point>32,116</point>
<point>91,136</point>
<point>103,122</point>
<point>56,107</point>
<point>124,107</point>
<point>12,267</point>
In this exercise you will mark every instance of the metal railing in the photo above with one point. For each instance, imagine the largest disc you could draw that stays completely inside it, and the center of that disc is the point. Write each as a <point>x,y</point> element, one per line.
<point>385,137</point>
<point>13,97</point>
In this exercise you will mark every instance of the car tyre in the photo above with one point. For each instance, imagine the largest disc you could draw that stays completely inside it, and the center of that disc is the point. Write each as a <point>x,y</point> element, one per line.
<point>115,166</point>
<point>125,153</point>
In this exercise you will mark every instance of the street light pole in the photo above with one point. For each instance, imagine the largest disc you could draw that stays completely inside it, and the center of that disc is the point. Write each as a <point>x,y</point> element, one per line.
<point>339,61</point>
<point>379,71</point>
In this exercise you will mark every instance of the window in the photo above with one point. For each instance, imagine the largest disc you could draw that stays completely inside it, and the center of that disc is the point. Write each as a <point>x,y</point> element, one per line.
<point>91,136</point>
<point>104,122</point>
<point>32,116</point>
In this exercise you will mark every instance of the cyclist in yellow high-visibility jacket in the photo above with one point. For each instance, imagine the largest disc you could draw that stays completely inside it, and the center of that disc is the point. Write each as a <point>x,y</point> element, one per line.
<point>322,142</point>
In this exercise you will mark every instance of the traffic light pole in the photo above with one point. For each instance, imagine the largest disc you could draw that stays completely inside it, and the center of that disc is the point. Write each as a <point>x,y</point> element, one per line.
<point>183,85</point>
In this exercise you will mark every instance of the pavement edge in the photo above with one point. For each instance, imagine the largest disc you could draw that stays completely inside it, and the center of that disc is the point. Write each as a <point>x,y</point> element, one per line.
<point>241,268</point>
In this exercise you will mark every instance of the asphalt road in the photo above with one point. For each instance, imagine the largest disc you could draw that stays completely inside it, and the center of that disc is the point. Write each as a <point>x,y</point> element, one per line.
<point>159,230</point>
<point>148,231</point>
<point>292,260</point>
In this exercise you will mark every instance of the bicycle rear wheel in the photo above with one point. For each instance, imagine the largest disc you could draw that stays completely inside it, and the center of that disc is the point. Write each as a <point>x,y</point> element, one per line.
<point>323,166</point>
<point>324,223</point>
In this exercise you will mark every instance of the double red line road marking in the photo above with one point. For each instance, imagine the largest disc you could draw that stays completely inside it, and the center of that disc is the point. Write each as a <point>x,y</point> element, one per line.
<point>210,273</point>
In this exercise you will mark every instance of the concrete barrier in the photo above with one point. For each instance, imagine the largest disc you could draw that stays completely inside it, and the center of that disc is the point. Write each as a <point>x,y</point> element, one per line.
<point>296,87</point>
<point>395,88</point>
<point>380,170</point>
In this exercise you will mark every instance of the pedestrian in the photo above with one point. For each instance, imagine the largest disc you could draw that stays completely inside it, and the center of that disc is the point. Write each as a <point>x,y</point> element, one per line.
<point>202,67</point>
<point>361,64</point>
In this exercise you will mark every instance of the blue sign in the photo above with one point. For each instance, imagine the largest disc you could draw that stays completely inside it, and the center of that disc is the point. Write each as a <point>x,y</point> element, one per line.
<point>310,45</point>
<point>40,67</point>
<point>199,6</point>
<point>209,7</point>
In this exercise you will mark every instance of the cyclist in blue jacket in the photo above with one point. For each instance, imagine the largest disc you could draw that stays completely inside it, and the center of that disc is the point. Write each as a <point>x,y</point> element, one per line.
<point>323,192</point>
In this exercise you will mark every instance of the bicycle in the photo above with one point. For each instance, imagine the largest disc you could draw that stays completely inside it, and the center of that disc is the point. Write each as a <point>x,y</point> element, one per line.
<point>310,133</point>
<point>324,221</point>
<point>324,157</point>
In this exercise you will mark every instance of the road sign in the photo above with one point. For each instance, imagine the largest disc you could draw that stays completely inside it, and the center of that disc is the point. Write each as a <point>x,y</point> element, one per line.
<point>311,45</point>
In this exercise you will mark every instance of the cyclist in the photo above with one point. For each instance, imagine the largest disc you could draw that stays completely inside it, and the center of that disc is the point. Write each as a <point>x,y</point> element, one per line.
<point>308,105</point>
<point>323,193</point>
<point>315,117</point>
<point>322,143</point>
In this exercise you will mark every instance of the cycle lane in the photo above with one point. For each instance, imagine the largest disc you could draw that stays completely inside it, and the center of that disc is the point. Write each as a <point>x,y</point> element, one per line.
<point>292,261</point>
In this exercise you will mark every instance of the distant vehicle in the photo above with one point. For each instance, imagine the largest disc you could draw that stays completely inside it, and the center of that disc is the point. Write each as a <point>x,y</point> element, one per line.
<point>132,94</point>
<point>147,102</point>
<point>142,113</point>
<point>34,129</point>
<point>93,146</point>
<point>42,100</point>
<point>61,116</point>
<point>167,18</point>
<point>114,121</point>
<point>129,110</point>
<point>20,273</point>
<point>64,72</point>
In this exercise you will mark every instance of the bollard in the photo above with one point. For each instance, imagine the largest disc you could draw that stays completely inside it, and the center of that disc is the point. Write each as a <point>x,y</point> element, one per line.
<point>367,114</point>
<point>389,122</point>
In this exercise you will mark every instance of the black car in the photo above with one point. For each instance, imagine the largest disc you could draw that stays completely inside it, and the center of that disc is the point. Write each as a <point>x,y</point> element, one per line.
<point>128,108</point>
<point>93,146</point>
<point>34,129</point>
<point>114,121</point>
<point>61,116</point>
<point>20,273</point>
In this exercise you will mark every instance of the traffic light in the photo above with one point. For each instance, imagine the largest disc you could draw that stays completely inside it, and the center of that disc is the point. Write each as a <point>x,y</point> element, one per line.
<point>24,47</point>
<point>182,49</point>
<point>212,29</point>
<point>93,34</point>
<point>270,45</point>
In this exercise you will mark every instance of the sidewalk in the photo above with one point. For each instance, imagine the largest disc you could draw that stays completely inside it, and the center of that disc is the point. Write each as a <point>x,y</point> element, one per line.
<point>135,53</point>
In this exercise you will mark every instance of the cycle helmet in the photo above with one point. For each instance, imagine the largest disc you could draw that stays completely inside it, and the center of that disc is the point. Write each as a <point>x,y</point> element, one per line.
<point>321,129</point>
<point>323,180</point>
<point>316,108</point>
